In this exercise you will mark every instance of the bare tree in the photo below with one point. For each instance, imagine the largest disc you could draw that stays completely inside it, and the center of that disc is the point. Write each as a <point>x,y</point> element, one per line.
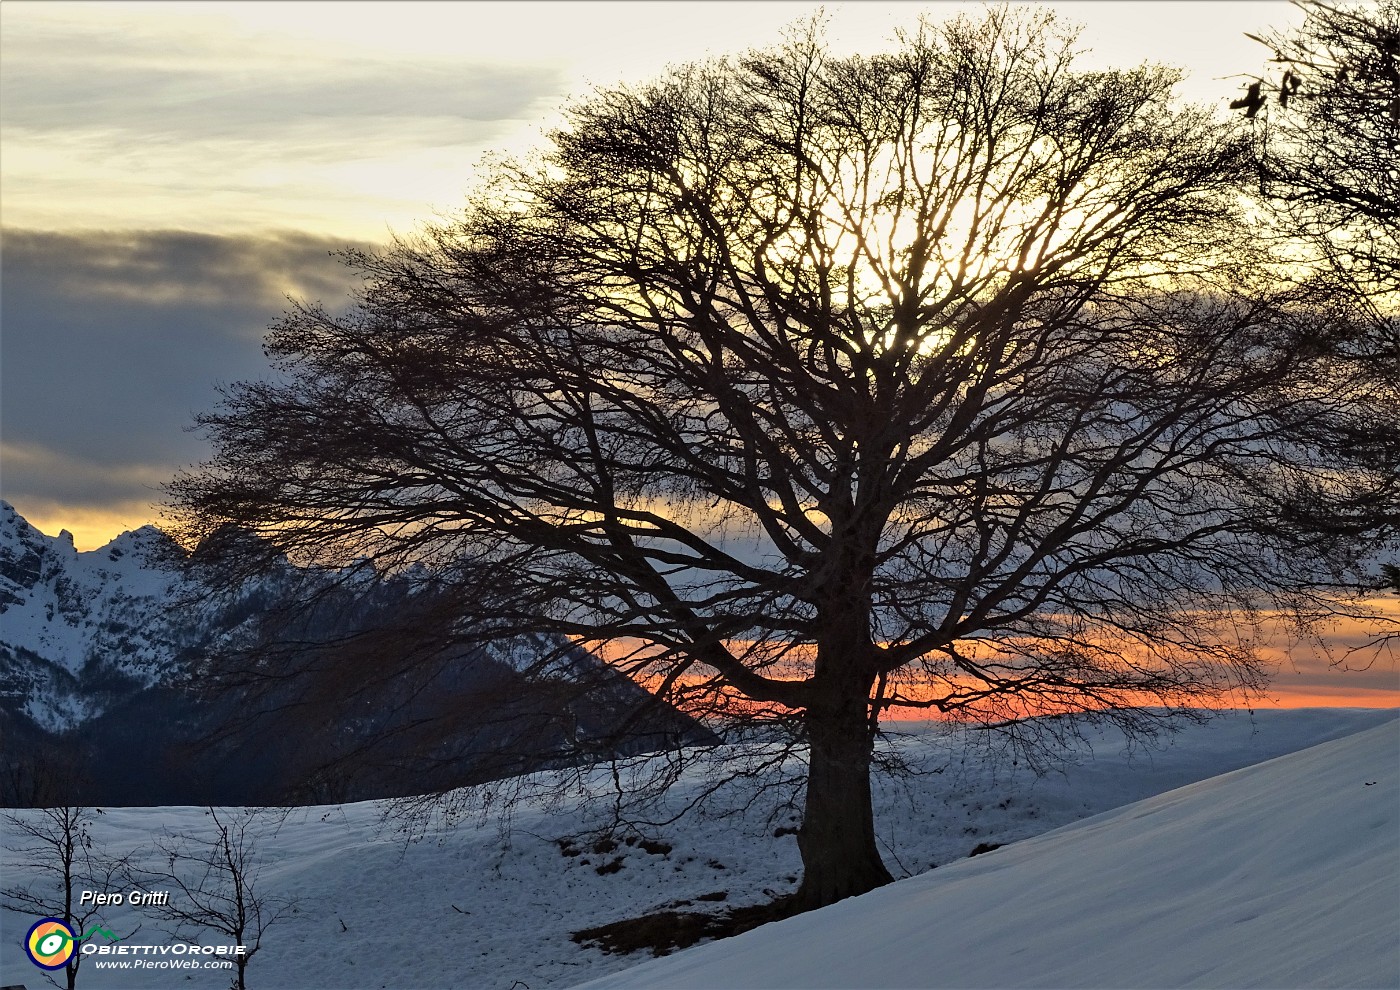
<point>946,378</point>
<point>1329,141</point>
<point>213,879</point>
<point>1327,148</point>
<point>55,854</point>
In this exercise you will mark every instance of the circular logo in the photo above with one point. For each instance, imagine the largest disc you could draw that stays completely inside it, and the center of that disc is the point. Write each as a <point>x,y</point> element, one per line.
<point>49,943</point>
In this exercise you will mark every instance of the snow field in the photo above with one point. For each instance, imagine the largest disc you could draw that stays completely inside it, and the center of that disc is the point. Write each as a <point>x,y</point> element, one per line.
<point>484,905</point>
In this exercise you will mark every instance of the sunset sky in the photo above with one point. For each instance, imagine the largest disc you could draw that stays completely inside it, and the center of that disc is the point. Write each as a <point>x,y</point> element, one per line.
<point>172,171</point>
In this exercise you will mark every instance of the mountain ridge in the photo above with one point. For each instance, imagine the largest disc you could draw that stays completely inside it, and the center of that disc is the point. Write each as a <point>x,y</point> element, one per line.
<point>121,657</point>
<point>96,615</point>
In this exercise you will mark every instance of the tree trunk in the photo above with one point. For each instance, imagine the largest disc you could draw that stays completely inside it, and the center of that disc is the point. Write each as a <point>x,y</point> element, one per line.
<point>837,838</point>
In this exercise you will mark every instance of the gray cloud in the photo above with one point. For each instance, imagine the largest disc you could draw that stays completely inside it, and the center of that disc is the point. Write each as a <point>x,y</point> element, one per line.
<point>154,104</point>
<point>36,473</point>
<point>113,341</point>
<point>245,88</point>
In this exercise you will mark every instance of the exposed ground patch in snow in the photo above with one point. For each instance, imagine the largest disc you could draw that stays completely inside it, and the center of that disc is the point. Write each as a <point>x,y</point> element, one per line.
<point>485,907</point>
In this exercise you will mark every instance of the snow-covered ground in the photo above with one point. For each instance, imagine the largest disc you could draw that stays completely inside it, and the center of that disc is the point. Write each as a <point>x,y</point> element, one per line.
<point>1284,874</point>
<point>1246,879</point>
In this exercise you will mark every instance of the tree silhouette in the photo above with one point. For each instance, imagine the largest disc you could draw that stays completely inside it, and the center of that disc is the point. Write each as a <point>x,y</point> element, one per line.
<point>54,859</point>
<point>1327,166</point>
<point>1327,158</point>
<point>947,378</point>
<point>213,879</point>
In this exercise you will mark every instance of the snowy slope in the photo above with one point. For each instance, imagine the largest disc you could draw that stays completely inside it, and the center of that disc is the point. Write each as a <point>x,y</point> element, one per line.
<point>63,612</point>
<point>487,906</point>
<point>61,603</point>
<point>1285,874</point>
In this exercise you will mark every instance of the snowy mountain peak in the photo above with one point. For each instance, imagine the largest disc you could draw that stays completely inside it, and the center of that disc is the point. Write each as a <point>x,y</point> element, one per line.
<point>149,545</point>
<point>71,617</point>
<point>11,521</point>
<point>27,557</point>
<point>16,533</point>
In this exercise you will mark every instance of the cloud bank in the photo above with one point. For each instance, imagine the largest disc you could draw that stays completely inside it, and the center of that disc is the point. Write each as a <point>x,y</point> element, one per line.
<point>114,340</point>
<point>115,117</point>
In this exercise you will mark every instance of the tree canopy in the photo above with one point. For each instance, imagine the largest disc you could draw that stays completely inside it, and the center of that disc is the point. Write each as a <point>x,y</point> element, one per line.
<point>947,378</point>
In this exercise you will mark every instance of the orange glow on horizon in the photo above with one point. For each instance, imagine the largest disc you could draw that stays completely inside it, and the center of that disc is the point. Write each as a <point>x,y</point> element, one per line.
<point>1302,677</point>
<point>1281,696</point>
<point>91,527</point>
